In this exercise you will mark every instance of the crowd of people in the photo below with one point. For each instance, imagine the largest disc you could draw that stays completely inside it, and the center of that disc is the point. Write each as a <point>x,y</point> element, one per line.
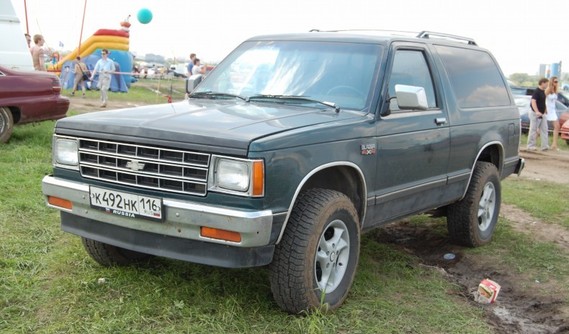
<point>104,67</point>
<point>543,110</point>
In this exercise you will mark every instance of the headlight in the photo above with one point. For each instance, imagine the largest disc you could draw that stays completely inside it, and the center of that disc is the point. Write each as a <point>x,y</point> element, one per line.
<point>237,176</point>
<point>65,151</point>
<point>232,175</point>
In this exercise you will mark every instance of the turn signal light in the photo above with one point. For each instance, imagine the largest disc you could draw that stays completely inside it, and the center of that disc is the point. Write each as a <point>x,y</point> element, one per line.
<point>258,178</point>
<point>60,202</point>
<point>216,233</point>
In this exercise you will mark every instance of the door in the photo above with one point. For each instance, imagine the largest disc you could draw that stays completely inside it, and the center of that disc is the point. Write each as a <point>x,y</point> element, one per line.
<point>412,145</point>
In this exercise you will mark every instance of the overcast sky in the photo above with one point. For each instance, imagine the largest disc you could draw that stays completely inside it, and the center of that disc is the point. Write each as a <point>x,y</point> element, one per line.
<point>521,34</point>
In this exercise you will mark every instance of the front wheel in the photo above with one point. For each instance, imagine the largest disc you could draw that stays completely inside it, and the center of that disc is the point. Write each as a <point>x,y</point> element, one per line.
<point>472,220</point>
<point>315,262</point>
<point>6,124</point>
<point>108,255</point>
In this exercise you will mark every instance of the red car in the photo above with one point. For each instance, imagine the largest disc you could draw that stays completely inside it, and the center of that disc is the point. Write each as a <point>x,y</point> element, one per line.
<point>28,97</point>
<point>565,132</point>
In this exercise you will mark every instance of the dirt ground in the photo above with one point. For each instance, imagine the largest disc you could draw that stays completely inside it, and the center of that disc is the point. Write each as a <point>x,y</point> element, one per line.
<point>519,308</point>
<point>556,163</point>
<point>81,105</point>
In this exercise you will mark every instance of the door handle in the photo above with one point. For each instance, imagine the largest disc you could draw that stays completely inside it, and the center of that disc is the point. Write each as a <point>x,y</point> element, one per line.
<point>440,120</point>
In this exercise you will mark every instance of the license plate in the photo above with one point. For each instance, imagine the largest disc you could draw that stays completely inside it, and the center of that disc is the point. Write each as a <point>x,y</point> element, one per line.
<point>125,204</point>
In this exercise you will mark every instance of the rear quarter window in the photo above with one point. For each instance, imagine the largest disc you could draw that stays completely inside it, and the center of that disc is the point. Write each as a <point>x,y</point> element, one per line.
<point>474,76</point>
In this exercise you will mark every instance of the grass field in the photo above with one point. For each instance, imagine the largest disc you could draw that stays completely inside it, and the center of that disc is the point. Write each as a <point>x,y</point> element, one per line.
<point>48,284</point>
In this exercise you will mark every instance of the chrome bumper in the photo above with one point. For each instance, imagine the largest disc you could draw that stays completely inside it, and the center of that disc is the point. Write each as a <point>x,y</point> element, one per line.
<point>182,219</point>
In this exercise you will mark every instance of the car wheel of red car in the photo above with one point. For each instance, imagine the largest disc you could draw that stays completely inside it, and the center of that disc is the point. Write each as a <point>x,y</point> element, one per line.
<point>6,124</point>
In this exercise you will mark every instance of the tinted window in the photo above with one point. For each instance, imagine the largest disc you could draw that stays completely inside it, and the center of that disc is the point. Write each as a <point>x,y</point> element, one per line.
<point>410,68</point>
<point>475,78</point>
<point>518,90</point>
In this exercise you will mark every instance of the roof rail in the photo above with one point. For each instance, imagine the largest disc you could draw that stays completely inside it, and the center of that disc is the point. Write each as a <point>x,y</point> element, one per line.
<point>428,34</point>
<point>392,32</point>
<point>422,34</point>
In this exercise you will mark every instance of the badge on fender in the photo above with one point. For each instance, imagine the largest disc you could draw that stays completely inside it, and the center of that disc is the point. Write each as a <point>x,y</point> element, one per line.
<point>367,149</point>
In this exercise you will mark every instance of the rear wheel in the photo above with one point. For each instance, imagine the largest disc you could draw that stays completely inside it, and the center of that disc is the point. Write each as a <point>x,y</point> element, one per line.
<point>315,262</point>
<point>108,255</point>
<point>472,220</point>
<point>6,124</point>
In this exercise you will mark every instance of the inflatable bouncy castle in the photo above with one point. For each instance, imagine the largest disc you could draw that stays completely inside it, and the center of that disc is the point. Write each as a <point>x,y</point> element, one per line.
<point>117,42</point>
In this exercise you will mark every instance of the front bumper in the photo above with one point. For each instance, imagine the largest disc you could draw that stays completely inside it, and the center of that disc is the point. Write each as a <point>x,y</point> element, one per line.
<point>177,236</point>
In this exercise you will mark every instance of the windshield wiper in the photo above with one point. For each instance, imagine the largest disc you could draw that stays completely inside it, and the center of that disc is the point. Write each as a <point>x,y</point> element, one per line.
<point>300,98</point>
<point>213,95</point>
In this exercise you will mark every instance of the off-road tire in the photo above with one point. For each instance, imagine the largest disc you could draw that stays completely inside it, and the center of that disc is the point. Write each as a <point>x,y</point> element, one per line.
<point>323,231</point>
<point>108,255</point>
<point>472,220</point>
<point>6,124</point>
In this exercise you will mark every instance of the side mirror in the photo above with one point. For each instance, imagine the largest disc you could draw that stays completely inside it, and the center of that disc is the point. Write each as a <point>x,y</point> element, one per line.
<point>411,97</point>
<point>192,82</point>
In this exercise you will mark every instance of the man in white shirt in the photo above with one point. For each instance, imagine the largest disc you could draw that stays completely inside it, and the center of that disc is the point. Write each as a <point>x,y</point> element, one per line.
<point>198,68</point>
<point>105,66</point>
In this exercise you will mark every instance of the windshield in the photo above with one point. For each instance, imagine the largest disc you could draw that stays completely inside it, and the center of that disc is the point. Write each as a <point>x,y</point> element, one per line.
<point>339,73</point>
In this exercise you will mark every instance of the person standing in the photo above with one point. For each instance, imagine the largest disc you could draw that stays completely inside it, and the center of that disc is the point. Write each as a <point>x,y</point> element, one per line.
<point>81,73</point>
<point>105,67</point>
<point>198,68</point>
<point>28,40</point>
<point>38,53</point>
<point>550,99</point>
<point>191,63</point>
<point>537,117</point>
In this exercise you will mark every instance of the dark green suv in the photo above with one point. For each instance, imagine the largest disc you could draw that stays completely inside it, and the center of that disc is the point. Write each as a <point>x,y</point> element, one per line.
<point>290,149</point>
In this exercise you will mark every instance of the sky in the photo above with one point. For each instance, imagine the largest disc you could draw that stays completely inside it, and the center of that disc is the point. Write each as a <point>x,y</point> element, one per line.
<point>521,34</point>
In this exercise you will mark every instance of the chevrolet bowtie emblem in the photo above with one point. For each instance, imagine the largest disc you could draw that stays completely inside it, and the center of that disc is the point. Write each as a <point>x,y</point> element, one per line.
<point>135,165</point>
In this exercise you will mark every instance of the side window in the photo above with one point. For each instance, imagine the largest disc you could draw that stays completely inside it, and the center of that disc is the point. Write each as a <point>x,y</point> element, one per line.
<point>475,77</point>
<point>410,68</point>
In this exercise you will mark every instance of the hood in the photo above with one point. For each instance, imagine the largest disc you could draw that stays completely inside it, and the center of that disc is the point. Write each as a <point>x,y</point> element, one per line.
<point>23,73</point>
<point>198,123</point>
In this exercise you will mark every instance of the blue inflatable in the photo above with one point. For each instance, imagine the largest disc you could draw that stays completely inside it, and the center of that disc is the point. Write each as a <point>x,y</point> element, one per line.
<point>119,82</point>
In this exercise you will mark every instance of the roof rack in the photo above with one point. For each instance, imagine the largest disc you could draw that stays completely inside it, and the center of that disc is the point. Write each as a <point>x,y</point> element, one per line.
<point>422,34</point>
<point>392,32</point>
<point>428,34</point>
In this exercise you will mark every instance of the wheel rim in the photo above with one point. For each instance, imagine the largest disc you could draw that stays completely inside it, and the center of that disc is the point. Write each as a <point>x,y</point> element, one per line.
<point>332,256</point>
<point>3,121</point>
<point>486,206</point>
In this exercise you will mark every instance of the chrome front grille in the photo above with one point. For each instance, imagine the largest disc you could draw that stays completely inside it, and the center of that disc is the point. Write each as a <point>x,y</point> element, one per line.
<point>144,166</point>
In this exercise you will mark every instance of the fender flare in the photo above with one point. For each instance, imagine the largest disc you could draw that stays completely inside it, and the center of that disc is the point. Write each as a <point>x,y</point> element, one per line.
<point>500,162</point>
<point>316,170</point>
